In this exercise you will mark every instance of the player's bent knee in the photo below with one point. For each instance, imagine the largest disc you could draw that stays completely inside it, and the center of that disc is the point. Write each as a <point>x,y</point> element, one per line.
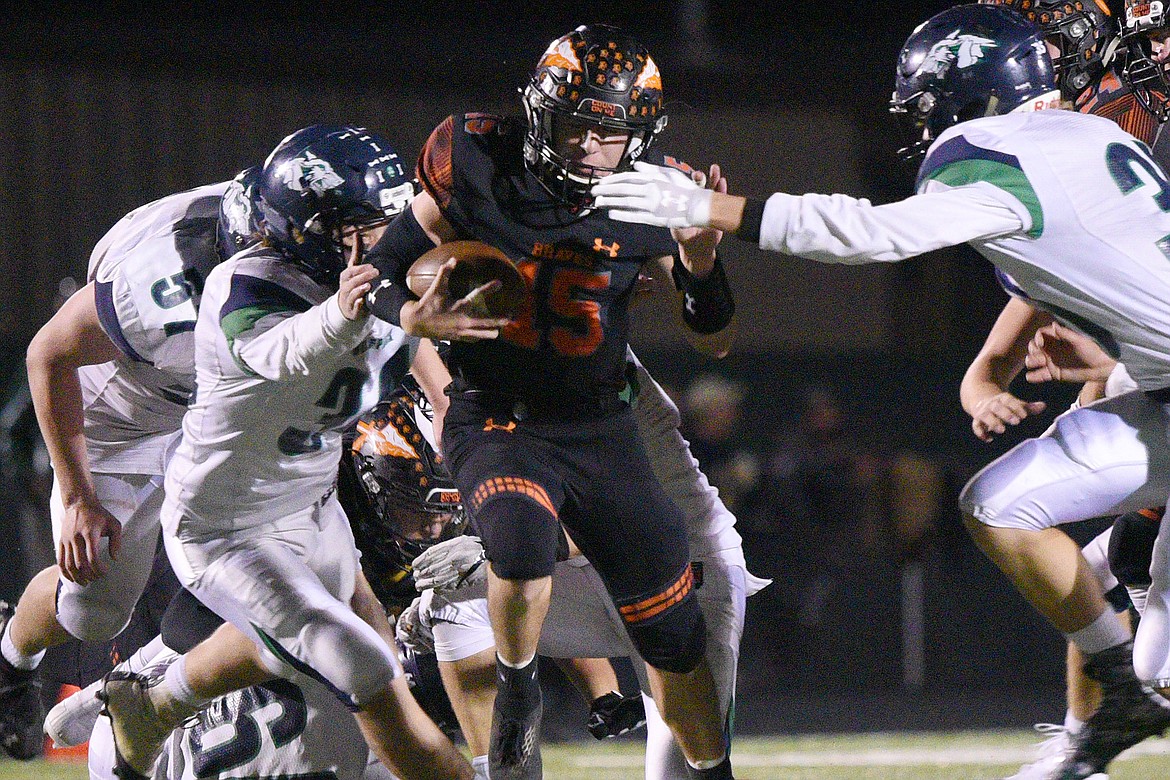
<point>352,661</point>
<point>520,534</point>
<point>675,641</point>
<point>91,621</point>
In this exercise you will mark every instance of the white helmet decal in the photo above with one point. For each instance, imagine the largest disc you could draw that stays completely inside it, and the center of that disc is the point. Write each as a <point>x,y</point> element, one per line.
<point>960,50</point>
<point>237,209</point>
<point>309,173</point>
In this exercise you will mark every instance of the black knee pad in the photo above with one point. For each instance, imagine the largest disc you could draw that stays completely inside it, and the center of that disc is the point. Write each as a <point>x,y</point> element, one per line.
<point>520,536</point>
<point>673,640</point>
<point>1131,548</point>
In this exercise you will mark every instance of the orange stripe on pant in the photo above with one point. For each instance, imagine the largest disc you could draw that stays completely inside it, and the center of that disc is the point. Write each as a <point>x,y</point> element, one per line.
<point>525,487</point>
<point>648,608</point>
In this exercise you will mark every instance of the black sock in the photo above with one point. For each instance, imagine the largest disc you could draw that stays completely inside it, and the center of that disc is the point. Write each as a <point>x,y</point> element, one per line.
<point>720,772</point>
<point>519,689</point>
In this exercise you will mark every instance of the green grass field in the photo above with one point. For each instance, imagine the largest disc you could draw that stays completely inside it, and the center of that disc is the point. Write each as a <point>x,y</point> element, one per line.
<point>951,756</point>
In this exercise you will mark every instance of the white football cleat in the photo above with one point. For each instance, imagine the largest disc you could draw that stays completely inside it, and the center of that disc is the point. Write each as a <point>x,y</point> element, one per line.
<point>71,721</point>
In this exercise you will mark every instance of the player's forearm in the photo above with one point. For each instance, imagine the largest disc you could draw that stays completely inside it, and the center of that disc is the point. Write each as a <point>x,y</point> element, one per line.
<point>57,401</point>
<point>403,242</point>
<point>303,343</point>
<point>842,229</point>
<point>727,213</point>
<point>987,377</point>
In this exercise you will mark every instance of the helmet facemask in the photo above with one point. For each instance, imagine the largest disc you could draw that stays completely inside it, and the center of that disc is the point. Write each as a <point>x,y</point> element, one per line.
<point>594,77</point>
<point>1141,72</point>
<point>411,519</point>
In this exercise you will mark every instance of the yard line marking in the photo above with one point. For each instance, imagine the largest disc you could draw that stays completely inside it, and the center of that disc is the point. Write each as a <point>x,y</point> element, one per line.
<point>966,755</point>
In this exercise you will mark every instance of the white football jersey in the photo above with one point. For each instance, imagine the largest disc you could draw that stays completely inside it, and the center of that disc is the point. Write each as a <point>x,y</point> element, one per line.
<point>1068,206</point>
<point>279,729</point>
<point>280,373</point>
<point>148,271</point>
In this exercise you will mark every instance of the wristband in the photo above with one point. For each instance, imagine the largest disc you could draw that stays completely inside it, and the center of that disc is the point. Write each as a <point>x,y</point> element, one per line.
<point>707,303</point>
<point>752,221</point>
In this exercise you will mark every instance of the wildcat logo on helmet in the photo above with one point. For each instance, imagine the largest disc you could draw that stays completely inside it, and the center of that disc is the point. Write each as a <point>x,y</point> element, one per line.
<point>561,55</point>
<point>310,173</point>
<point>383,438</point>
<point>962,51</point>
<point>236,209</point>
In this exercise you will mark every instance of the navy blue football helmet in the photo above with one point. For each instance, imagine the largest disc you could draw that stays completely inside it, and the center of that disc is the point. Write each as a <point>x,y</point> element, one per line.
<point>323,178</point>
<point>238,224</point>
<point>596,74</point>
<point>969,61</point>
<point>1083,31</point>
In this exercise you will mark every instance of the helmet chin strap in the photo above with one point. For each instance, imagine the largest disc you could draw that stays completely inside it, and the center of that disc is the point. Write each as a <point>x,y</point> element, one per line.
<point>1039,103</point>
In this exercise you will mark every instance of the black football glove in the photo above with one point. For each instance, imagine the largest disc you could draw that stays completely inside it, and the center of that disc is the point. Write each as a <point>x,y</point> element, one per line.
<point>612,715</point>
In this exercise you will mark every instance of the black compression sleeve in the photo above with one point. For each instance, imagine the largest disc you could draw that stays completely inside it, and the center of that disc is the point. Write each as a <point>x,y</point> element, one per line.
<point>753,218</point>
<point>402,243</point>
<point>707,302</point>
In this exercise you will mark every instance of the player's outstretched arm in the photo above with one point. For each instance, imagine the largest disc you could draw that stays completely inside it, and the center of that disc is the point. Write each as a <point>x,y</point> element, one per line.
<point>984,390</point>
<point>71,339</point>
<point>826,228</point>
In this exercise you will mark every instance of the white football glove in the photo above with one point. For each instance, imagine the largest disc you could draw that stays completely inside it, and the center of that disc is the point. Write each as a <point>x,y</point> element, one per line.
<point>654,195</point>
<point>452,564</point>
<point>413,631</point>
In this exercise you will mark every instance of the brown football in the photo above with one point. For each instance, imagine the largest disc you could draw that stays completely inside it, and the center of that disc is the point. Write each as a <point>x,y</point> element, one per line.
<point>477,264</point>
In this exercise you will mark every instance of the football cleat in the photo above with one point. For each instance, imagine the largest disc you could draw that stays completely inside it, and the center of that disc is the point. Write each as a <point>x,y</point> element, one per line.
<point>21,708</point>
<point>1127,716</point>
<point>514,747</point>
<point>1050,753</point>
<point>71,721</point>
<point>141,717</point>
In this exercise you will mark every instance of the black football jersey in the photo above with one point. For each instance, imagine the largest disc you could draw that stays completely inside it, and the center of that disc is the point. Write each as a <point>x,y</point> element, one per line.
<point>570,338</point>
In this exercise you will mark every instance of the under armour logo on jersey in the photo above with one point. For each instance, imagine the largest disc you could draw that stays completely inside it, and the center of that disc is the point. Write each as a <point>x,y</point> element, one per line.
<point>309,173</point>
<point>611,250</point>
<point>490,424</point>
<point>689,303</point>
<point>962,51</point>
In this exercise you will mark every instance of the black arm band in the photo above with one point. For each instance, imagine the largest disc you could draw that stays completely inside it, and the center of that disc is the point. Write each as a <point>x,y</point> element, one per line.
<point>403,242</point>
<point>753,218</point>
<point>707,302</point>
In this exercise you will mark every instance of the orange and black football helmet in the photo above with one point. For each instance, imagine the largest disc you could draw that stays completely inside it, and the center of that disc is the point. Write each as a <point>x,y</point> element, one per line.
<point>1146,20</point>
<point>1083,30</point>
<point>397,492</point>
<point>595,74</point>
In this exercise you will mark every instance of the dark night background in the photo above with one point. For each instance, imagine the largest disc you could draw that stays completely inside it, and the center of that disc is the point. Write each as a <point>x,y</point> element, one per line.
<point>104,107</point>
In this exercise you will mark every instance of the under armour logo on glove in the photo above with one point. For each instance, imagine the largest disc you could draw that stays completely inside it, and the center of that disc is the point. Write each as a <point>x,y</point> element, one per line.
<point>654,195</point>
<point>680,202</point>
